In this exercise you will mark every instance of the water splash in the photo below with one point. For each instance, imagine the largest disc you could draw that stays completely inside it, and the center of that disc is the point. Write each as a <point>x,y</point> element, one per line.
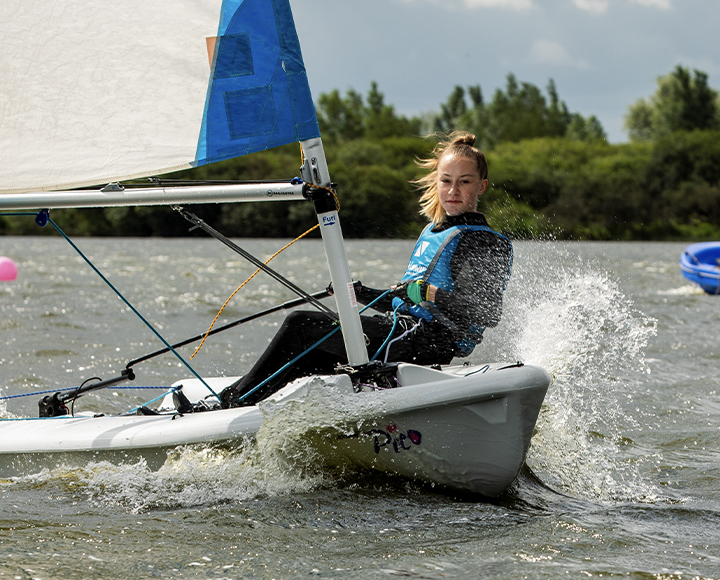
<point>290,432</point>
<point>579,326</point>
<point>191,476</point>
<point>687,290</point>
<point>277,461</point>
<point>4,413</point>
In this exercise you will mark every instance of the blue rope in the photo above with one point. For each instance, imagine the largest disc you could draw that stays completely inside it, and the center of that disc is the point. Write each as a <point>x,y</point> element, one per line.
<point>140,316</point>
<point>167,392</point>
<point>130,388</point>
<point>130,412</point>
<point>390,334</point>
<point>35,418</point>
<point>35,393</point>
<point>288,365</point>
<point>150,402</point>
<point>302,354</point>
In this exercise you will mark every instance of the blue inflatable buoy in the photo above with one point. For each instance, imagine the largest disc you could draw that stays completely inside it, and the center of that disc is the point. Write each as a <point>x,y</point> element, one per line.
<point>700,263</point>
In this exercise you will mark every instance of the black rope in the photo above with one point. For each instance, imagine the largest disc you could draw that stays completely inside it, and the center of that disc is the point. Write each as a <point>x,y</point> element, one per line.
<point>161,182</point>
<point>198,223</point>
<point>283,306</point>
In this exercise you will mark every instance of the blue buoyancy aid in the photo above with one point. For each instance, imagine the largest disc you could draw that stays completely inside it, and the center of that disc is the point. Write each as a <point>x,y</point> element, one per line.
<point>430,261</point>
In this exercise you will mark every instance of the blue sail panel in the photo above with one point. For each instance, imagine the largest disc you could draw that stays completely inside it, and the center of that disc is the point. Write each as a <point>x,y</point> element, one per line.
<point>258,96</point>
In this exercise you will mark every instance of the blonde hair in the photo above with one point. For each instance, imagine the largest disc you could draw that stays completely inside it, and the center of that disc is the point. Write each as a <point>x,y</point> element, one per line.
<point>460,143</point>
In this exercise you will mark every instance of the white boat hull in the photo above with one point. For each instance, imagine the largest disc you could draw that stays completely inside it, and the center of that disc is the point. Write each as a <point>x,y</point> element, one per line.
<point>466,428</point>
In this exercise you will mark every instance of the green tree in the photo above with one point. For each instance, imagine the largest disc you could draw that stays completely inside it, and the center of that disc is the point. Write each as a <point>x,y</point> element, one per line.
<point>521,112</point>
<point>452,112</point>
<point>350,117</point>
<point>455,114</point>
<point>557,117</point>
<point>582,129</point>
<point>682,102</point>
<point>683,178</point>
<point>341,118</point>
<point>381,120</point>
<point>576,189</point>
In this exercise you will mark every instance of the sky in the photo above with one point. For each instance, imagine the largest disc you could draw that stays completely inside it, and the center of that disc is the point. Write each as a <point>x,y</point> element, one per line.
<point>603,55</point>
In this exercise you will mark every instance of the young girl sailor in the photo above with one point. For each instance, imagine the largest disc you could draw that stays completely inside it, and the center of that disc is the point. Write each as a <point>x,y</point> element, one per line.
<point>451,291</point>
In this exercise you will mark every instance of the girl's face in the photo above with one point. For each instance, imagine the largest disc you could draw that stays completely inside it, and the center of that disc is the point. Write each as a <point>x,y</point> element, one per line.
<point>459,184</point>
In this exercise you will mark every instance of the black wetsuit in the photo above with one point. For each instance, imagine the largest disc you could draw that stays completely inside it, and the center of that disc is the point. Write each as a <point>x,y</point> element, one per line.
<point>479,267</point>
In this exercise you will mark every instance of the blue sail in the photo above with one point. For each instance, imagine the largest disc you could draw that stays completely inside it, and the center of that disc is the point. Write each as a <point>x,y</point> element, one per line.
<point>258,96</point>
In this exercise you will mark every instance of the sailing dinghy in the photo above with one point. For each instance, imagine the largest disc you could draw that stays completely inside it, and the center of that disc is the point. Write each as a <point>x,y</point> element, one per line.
<point>95,111</point>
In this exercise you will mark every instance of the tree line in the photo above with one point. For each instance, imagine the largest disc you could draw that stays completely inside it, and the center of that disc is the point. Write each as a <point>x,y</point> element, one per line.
<point>552,172</point>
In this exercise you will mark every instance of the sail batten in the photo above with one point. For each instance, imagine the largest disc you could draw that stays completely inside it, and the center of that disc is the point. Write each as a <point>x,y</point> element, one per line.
<point>101,92</point>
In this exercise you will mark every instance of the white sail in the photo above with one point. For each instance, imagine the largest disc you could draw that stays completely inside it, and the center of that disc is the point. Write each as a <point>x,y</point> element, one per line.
<point>97,92</point>
<point>94,92</point>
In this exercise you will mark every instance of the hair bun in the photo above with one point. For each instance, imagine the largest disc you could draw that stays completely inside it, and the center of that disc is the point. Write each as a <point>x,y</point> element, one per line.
<point>462,138</point>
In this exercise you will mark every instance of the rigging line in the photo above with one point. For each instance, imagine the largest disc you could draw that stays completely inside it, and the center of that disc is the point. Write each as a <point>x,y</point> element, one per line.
<point>66,417</point>
<point>283,306</point>
<point>192,218</point>
<point>150,402</point>
<point>289,364</point>
<point>161,182</point>
<point>413,328</point>
<point>207,333</point>
<point>36,393</point>
<point>389,336</point>
<point>303,353</point>
<point>140,316</point>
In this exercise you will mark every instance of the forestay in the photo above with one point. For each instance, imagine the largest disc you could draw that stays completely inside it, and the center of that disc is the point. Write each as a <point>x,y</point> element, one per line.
<point>95,92</point>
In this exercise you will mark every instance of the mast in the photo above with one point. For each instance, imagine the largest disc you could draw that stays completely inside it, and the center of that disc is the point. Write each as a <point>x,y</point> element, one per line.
<point>315,172</point>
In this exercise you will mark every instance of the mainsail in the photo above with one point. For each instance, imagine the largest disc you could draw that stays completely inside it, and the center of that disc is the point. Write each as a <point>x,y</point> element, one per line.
<point>95,92</point>
<point>98,92</point>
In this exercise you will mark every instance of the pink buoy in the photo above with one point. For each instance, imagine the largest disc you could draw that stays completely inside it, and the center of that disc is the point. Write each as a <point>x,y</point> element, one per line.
<point>8,269</point>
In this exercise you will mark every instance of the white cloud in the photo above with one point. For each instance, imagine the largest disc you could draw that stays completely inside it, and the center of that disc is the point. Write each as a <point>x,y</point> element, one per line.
<point>594,6</point>
<point>601,6</point>
<point>553,53</point>
<point>663,4</point>
<point>597,6</point>
<point>511,4</point>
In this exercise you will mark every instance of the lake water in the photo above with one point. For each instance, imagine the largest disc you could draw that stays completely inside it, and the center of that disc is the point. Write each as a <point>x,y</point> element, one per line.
<point>622,478</point>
